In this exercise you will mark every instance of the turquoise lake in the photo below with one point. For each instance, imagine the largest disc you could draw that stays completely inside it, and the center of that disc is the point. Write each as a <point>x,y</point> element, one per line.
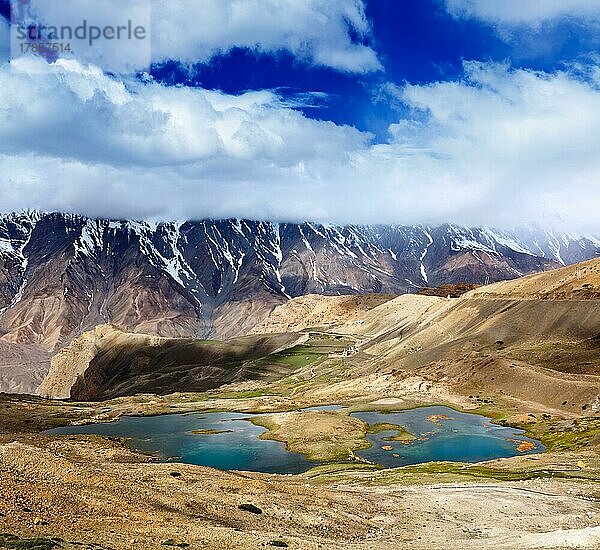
<point>443,434</point>
<point>451,435</point>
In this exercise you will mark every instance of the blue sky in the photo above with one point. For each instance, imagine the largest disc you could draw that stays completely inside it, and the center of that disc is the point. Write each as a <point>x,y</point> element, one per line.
<point>470,111</point>
<point>417,41</point>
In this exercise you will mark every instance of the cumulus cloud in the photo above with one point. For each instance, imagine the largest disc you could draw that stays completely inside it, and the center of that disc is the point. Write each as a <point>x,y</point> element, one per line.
<point>329,34</point>
<point>77,112</point>
<point>499,146</point>
<point>317,31</point>
<point>524,142</point>
<point>529,12</point>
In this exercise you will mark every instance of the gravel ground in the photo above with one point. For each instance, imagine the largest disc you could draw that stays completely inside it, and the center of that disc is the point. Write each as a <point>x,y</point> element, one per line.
<point>93,492</point>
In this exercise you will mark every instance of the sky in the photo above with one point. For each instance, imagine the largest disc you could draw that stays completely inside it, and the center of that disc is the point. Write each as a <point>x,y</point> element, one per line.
<point>477,112</point>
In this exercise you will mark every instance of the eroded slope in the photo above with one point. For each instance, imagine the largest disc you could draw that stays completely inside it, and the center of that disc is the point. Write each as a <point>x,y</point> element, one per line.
<point>318,311</point>
<point>108,362</point>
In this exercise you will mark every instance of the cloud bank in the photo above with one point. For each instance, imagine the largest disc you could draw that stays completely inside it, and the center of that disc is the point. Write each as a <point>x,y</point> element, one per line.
<point>499,146</point>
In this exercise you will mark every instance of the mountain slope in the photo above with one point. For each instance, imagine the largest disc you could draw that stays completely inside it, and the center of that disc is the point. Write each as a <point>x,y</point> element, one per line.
<point>61,275</point>
<point>313,310</point>
<point>528,347</point>
<point>578,282</point>
<point>108,362</point>
<point>22,367</point>
<point>534,339</point>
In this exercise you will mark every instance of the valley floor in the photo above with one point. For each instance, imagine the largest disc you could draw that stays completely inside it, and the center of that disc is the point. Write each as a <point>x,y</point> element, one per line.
<point>94,493</point>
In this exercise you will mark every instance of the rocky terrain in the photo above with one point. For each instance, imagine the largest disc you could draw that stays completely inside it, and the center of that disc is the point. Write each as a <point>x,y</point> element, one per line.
<point>524,353</point>
<point>22,366</point>
<point>95,495</point>
<point>580,282</point>
<point>522,339</point>
<point>514,338</point>
<point>62,275</point>
<point>318,311</point>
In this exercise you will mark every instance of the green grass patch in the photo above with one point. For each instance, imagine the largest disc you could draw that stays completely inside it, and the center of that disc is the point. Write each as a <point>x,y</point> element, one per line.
<point>581,433</point>
<point>209,342</point>
<point>296,357</point>
<point>555,434</point>
<point>439,472</point>
<point>264,422</point>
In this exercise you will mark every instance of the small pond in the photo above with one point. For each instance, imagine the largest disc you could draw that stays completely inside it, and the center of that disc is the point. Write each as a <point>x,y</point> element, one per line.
<point>230,442</point>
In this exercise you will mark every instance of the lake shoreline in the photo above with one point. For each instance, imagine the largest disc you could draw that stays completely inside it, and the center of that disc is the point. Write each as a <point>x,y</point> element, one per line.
<point>298,441</point>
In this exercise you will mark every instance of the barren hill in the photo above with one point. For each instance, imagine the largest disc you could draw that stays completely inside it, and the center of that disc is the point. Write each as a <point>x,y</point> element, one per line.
<point>108,362</point>
<point>318,311</point>
<point>515,340</point>
<point>22,366</point>
<point>575,282</point>
<point>535,339</point>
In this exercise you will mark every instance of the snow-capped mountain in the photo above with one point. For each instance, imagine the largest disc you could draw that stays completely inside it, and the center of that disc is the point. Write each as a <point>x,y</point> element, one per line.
<point>62,274</point>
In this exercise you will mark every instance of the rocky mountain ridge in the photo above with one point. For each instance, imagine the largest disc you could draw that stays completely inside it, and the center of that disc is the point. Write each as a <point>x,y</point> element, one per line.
<point>63,274</point>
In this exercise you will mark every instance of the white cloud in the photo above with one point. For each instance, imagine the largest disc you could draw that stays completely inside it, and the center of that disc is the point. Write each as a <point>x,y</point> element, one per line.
<point>77,112</point>
<point>500,146</point>
<point>524,142</point>
<point>191,31</point>
<point>313,30</point>
<point>529,12</point>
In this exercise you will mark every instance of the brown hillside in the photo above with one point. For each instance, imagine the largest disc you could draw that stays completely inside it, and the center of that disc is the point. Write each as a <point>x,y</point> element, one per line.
<point>318,311</point>
<point>575,282</point>
<point>107,362</point>
<point>22,366</point>
<point>534,339</point>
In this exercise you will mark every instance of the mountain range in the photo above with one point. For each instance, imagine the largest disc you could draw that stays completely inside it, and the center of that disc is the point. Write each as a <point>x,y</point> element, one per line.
<point>63,274</point>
